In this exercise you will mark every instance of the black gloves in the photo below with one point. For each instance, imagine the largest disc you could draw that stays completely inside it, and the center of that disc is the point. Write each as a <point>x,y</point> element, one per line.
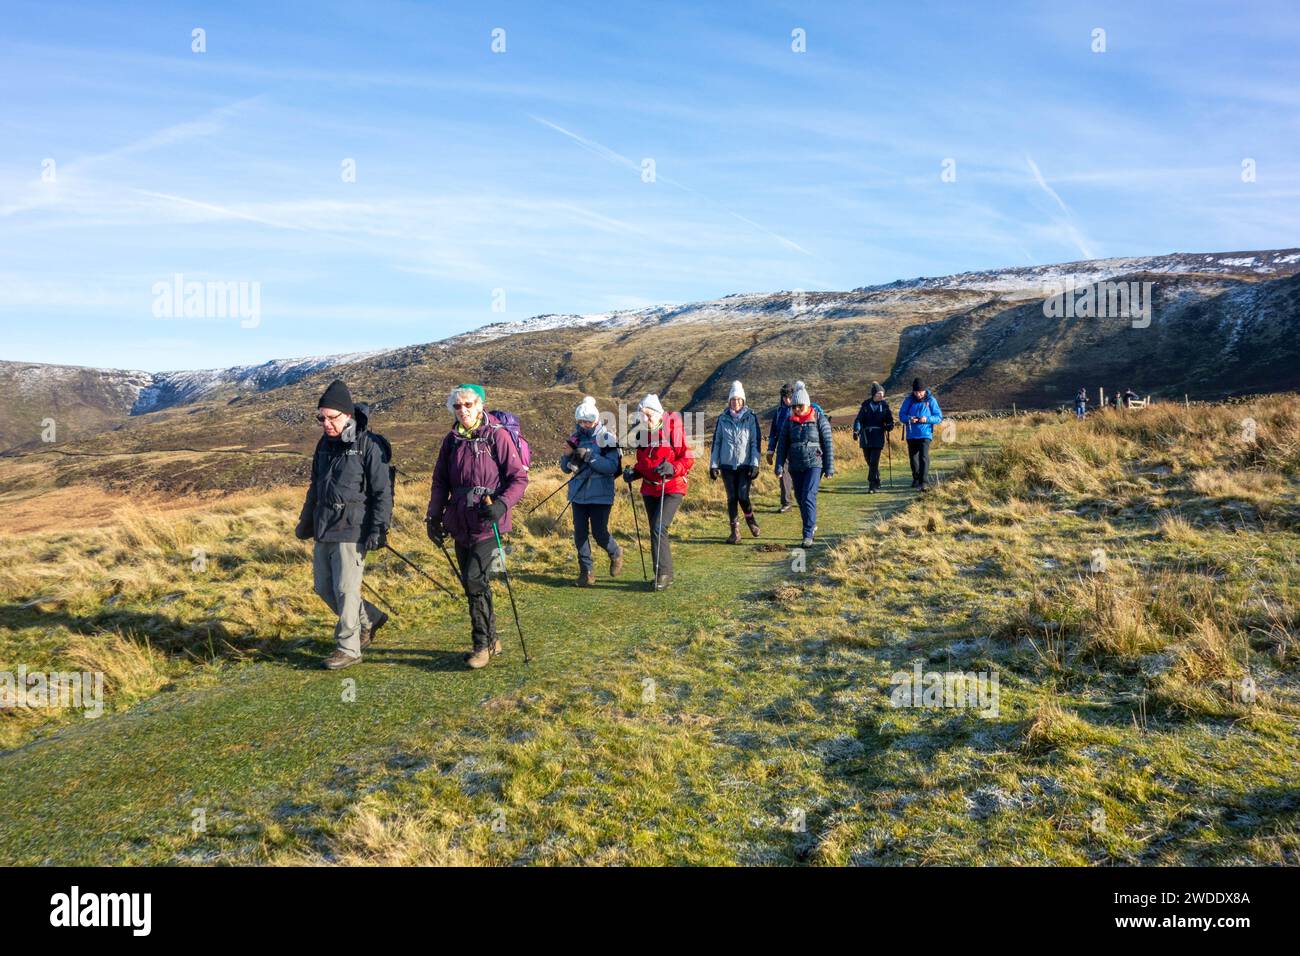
<point>376,539</point>
<point>753,472</point>
<point>630,475</point>
<point>665,469</point>
<point>491,511</point>
<point>434,529</point>
<point>827,474</point>
<point>713,474</point>
<point>304,530</point>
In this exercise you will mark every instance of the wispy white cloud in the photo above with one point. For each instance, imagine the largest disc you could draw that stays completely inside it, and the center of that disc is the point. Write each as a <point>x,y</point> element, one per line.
<point>1067,221</point>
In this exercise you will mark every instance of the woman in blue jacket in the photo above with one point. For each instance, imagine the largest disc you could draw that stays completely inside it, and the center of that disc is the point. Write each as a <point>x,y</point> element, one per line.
<point>804,446</point>
<point>737,446</point>
<point>919,413</point>
<point>595,460</point>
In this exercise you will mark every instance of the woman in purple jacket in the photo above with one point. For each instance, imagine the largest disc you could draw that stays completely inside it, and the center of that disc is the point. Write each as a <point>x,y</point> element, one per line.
<point>478,461</point>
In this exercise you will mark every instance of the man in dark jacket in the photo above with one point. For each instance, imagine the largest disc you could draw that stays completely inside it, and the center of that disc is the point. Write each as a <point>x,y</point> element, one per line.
<point>778,423</point>
<point>348,511</point>
<point>871,428</point>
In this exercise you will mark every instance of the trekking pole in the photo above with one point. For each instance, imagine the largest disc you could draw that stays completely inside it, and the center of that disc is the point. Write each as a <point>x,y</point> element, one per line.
<point>375,595</point>
<point>420,570</point>
<point>510,590</point>
<point>455,569</point>
<point>554,493</point>
<point>889,443</point>
<point>636,523</point>
<point>659,538</point>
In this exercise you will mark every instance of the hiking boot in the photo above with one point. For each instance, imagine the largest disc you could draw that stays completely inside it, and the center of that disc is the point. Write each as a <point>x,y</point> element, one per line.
<point>783,509</point>
<point>807,541</point>
<point>494,649</point>
<point>735,532</point>
<point>616,565</point>
<point>368,634</point>
<point>479,658</point>
<point>915,483</point>
<point>340,659</point>
<point>753,524</point>
<point>586,579</point>
<point>662,581</point>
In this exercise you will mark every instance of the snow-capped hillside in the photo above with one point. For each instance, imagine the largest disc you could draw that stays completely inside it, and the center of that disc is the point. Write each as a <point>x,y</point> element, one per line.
<point>1031,279</point>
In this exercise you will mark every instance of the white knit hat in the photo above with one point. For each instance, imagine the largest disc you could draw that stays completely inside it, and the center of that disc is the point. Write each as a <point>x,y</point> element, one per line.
<point>737,391</point>
<point>800,394</point>
<point>651,402</point>
<point>586,412</point>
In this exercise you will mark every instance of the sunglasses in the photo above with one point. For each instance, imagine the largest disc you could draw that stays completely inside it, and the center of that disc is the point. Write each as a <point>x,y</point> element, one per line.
<point>459,405</point>
<point>322,419</point>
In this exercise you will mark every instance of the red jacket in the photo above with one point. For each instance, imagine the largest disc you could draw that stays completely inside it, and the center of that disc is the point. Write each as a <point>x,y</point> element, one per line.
<point>667,444</point>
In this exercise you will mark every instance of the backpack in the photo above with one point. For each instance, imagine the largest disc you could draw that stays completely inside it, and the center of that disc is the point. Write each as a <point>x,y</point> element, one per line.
<point>385,455</point>
<point>510,423</point>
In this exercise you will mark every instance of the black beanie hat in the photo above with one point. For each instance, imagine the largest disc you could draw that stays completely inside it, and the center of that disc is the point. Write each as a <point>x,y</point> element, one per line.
<point>876,387</point>
<point>917,386</point>
<point>787,389</point>
<point>337,397</point>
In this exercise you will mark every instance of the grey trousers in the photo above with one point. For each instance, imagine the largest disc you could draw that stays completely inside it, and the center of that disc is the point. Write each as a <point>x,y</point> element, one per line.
<point>337,567</point>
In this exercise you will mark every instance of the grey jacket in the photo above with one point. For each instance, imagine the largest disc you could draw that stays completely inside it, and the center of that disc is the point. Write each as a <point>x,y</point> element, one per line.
<point>594,484</point>
<point>737,440</point>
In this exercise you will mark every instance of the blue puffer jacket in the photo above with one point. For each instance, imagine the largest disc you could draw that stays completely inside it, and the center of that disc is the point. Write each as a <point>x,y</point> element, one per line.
<point>595,485</point>
<point>927,409</point>
<point>806,445</point>
<point>737,440</point>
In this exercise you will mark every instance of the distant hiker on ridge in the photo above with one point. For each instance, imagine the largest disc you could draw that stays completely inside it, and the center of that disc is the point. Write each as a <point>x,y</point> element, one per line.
<point>478,460</point>
<point>919,413</point>
<point>1081,403</point>
<point>871,428</point>
<point>737,448</point>
<point>348,510</point>
<point>595,461</point>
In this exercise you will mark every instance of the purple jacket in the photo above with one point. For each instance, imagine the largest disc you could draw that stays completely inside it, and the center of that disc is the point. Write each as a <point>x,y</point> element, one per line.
<point>467,468</point>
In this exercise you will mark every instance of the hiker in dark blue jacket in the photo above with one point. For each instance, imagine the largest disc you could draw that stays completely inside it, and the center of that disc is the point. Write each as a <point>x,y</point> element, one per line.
<point>871,428</point>
<point>804,449</point>
<point>919,413</point>
<point>595,461</point>
<point>778,422</point>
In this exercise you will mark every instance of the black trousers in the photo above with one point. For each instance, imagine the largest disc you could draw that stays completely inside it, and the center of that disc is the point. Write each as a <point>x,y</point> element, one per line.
<point>736,481</point>
<point>873,466</point>
<point>474,563</point>
<point>593,518</point>
<point>657,509</point>
<point>918,450</point>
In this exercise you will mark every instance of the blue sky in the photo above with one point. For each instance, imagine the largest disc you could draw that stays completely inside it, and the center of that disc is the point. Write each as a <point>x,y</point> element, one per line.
<point>522,171</point>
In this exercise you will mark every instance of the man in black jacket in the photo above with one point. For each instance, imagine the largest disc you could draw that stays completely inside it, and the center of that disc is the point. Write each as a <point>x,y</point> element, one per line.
<point>348,510</point>
<point>871,428</point>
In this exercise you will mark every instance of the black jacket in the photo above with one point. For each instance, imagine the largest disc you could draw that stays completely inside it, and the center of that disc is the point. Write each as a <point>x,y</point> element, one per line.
<point>351,492</point>
<point>874,419</point>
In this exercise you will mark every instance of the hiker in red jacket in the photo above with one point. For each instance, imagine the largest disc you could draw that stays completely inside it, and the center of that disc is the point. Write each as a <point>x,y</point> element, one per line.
<point>662,460</point>
<point>478,459</point>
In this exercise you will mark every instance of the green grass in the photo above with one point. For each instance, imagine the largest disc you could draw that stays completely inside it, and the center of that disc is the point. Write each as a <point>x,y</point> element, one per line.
<point>767,735</point>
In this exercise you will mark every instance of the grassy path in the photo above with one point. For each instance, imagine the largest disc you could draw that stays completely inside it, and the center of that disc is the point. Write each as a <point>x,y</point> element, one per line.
<point>250,746</point>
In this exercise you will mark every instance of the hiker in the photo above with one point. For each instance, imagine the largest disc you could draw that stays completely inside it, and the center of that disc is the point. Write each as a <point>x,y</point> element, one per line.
<point>1081,403</point>
<point>804,449</point>
<point>778,422</point>
<point>595,461</point>
<point>871,428</point>
<point>919,413</point>
<point>1130,397</point>
<point>737,448</point>
<point>662,460</point>
<point>348,511</point>
<point>478,460</point>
